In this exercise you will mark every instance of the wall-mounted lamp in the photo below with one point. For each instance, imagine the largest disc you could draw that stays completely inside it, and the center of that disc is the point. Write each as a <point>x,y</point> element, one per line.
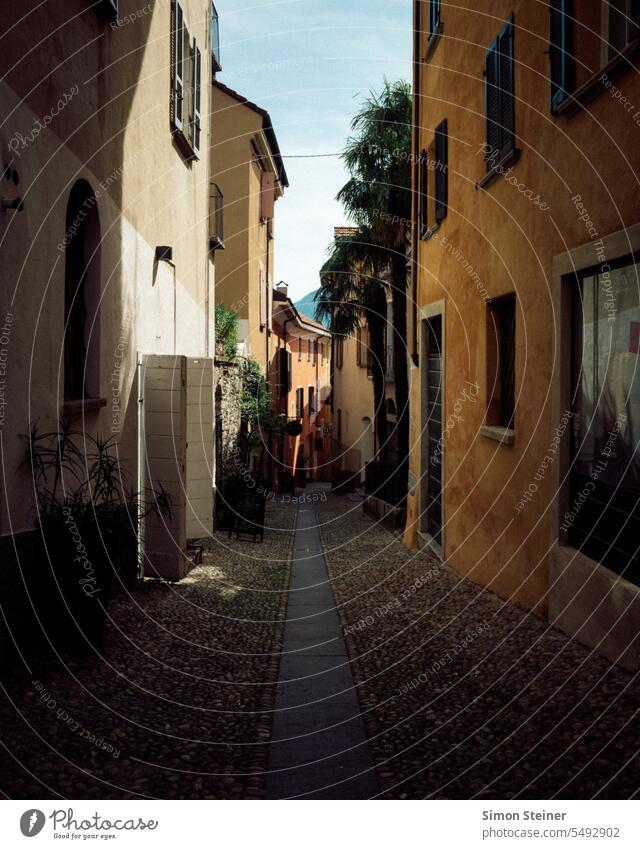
<point>164,253</point>
<point>16,204</point>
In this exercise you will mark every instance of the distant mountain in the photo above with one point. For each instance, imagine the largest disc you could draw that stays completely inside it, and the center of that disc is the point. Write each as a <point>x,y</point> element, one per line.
<point>307,305</point>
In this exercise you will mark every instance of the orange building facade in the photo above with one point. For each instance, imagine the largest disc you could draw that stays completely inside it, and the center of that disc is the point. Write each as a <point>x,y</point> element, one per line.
<point>300,388</point>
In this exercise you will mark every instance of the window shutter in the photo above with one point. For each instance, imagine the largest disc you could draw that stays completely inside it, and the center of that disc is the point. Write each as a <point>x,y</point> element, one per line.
<point>267,195</point>
<point>196,97</point>
<point>442,168</point>
<point>560,50</point>
<point>289,370</point>
<point>263,299</point>
<point>177,64</point>
<point>434,17</point>
<point>424,196</point>
<point>492,105</point>
<point>507,90</point>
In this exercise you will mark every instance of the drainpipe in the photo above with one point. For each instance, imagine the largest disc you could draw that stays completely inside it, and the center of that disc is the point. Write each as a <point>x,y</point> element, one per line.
<point>415,234</point>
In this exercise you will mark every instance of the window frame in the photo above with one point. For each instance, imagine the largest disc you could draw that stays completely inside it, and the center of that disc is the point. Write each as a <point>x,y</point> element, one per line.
<point>501,363</point>
<point>435,21</point>
<point>186,84</point>
<point>560,15</point>
<point>500,149</point>
<point>434,190</point>
<point>216,65</point>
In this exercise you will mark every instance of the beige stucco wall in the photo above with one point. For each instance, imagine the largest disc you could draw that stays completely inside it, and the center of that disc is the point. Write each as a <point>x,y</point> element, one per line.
<point>353,395</point>
<point>115,133</point>
<point>248,251</point>
<point>510,242</point>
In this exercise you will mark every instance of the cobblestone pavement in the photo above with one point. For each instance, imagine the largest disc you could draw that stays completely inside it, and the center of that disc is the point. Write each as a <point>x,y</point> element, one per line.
<point>177,706</point>
<point>465,695</point>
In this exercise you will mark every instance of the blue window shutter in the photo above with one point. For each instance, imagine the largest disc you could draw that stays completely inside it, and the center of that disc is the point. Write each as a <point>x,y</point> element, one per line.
<point>507,90</point>
<point>424,196</point>
<point>560,50</point>
<point>434,17</point>
<point>442,170</point>
<point>492,104</point>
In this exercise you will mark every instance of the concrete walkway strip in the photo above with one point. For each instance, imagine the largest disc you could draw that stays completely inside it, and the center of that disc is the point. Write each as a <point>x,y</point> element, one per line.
<point>319,749</point>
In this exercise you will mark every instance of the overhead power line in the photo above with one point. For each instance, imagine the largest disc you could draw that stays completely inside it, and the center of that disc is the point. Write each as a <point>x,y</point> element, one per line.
<point>309,155</point>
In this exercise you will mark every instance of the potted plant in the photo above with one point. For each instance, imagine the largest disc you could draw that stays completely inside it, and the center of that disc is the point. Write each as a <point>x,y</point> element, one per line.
<point>89,521</point>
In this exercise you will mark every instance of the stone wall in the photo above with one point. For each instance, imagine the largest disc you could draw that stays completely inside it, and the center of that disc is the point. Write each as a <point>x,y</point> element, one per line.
<point>227,381</point>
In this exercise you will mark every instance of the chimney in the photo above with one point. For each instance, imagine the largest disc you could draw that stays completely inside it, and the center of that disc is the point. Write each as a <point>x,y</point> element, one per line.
<point>282,288</point>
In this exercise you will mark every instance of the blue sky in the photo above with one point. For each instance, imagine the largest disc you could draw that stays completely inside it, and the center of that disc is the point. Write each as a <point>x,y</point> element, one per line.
<point>311,63</point>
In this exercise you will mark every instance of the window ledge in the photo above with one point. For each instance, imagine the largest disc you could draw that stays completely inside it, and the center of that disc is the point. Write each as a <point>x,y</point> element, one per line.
<point>498,168</point>
<point>591,87</point>
<point>429,232</point>
<point>504,435</point>
<point>83,405</point>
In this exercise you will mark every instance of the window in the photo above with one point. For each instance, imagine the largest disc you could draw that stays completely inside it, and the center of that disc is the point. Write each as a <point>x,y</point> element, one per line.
<point>434,18</point>
<point>284,371</point>
<point>186,72</point>
<point>621,19</point>
<point>603,516</point>
<point>434,181</point>
<point>299,402</point>
<point>107,8</point>
<point>216,218</point>
<point>321,344</point>
<point>560,47</point>
<point>315,352</point>
<point>312,408</point>
<point>585,35</point>
<point>308,350</point>
<point>500,98</point>
<point>82,295</point>
<point>299,348</point>
<point>501,358</point>
<point>215,41</point>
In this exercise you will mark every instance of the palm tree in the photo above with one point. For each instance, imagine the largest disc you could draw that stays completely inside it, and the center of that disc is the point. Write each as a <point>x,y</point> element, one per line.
<point>351,292</point>
<point>378,199</point>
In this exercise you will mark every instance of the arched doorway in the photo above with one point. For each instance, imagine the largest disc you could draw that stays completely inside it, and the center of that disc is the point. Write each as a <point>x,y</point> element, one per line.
<point>82,295</point>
